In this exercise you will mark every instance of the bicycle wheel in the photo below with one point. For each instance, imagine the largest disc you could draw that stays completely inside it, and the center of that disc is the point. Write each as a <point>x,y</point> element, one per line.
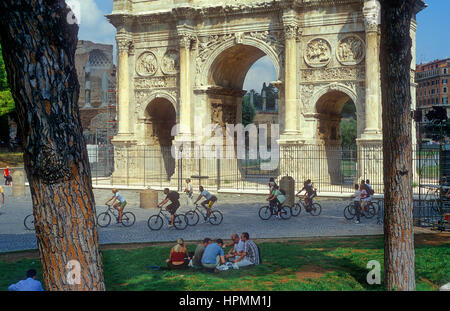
<point>370,211</point>
<point>180,221</point>
<point>128,219</point>
<point>103,219</point>
<point>265,212</point>
<point>155,222</point>
<point>316,209</point>
<point>349,212</point>
<point>192,218</point>
<point>285,212</point>
<point>215,218</point>
<point>28,222</point>
<point>296,209</point>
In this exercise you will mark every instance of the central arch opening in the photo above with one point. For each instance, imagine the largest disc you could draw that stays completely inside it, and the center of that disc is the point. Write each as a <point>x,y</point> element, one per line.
<point>336,134</point>
<point>241,93</point>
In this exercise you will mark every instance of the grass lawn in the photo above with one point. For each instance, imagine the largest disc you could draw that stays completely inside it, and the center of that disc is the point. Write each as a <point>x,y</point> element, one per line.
<point>11,159</point>
<point>317,264</point>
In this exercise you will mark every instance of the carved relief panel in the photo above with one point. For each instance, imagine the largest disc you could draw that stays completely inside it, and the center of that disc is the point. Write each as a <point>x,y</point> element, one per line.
<point>350,50</point>
<point>318,52</point>
<point>146,64</point>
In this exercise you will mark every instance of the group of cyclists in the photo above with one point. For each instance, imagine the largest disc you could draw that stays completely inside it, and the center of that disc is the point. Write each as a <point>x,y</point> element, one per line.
<point>362,197</point>
<point>277,196</point>
<point>119,202</point>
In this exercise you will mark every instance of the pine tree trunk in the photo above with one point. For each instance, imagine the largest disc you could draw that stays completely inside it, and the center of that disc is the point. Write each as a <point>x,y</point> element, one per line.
<point>395,61</point>
<point>39,50</point>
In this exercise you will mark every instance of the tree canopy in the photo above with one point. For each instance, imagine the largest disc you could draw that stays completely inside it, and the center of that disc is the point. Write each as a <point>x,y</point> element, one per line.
<point>6,101</point>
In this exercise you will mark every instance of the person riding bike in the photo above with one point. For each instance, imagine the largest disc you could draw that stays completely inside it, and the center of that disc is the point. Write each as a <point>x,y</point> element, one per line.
<point>208,203</point>
<point>174,197</point>
<point>310,193</point>
<point>120,205</point>
<point>276,200</point>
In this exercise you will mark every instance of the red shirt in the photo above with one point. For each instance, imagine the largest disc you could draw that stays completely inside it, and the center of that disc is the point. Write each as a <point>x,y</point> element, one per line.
<point>6,172</point>
<point>178,257</point>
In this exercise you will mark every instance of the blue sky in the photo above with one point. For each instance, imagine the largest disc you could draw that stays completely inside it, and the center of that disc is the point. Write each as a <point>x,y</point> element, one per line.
<point>432,39</point>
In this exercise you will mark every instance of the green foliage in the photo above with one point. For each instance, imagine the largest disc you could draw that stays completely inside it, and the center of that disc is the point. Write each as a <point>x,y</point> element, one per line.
<point>348,132</point>
<point>349,109</point>
<point>248,110</point>
<point>6,100</point>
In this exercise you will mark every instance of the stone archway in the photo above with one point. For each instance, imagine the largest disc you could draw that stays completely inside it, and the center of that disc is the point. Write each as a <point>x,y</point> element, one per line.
<point>339,165</point>
<point>160,117</point>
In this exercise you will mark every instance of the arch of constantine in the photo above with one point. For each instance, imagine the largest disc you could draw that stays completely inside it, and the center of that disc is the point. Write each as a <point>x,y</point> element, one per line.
<point>185,61</point>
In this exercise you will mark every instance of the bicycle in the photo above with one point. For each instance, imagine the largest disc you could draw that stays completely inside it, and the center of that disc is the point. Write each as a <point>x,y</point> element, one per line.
<point>350,211</point>
<point>156,222</point>
<point>267,211</point>
<point>313,208</point>
<point>193,216</point>
<point>28,222</point>
<point>104,219</point>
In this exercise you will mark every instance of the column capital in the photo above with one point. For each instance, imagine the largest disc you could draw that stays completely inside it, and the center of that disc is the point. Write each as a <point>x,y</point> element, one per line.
<point>372,15</point>
<point>124,42</point>
<point>291,28</point>
<point>186,35</point>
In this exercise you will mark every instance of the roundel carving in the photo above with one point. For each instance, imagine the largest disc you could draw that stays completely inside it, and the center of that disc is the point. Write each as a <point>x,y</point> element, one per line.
<point>147,64</point>
<point>318,52</point>
<point>350,50</point>
<point>171,62</point>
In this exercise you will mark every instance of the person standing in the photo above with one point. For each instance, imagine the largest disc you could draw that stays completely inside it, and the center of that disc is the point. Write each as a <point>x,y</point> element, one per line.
<point>29,284</point>
<point>174,197</point>
<point>7,176</point>
<point>357,203</point>
<point>189,190</point>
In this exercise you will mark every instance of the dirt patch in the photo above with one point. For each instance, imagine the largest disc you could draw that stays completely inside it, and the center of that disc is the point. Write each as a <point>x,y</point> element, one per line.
<point>432,238</point>
<point>310,272</point>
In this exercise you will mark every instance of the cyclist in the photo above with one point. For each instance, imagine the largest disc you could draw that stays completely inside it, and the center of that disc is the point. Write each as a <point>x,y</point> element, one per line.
<point>310,193</point>
<point>173,197</point>
<point>365,196</point>
<point>357,202</point>
<point>276,199</point>
<point>120,205</point>
<point>370,190</point>
<point>272,183</point>
<point>208,203</point>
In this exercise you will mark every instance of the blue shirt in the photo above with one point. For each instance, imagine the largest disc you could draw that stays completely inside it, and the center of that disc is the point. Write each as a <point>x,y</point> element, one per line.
<point>211,252</point>
<point>119,197</point>
<point>29,285</point>
<point>206,194</point>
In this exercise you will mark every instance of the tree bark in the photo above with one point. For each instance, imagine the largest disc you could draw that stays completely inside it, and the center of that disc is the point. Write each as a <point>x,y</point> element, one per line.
<point>395,59</point>
<point>39,50</point>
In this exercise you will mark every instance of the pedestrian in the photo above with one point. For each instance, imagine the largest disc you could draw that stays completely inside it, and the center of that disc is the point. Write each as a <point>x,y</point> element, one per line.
<point>29,284</point>
<point>357,203</point>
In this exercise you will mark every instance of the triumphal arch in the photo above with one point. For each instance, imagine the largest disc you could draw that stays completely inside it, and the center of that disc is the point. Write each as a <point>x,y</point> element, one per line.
<point>184,62</point>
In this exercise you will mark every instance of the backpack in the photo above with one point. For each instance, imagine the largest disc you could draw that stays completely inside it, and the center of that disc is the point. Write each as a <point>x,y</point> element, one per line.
<point>176,195</point>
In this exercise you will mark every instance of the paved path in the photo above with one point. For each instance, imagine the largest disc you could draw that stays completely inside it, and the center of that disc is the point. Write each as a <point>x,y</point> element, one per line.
<point>240,214</point>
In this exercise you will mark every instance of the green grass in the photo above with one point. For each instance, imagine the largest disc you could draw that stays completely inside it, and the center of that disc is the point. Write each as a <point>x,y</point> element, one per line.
<point>340,264</point>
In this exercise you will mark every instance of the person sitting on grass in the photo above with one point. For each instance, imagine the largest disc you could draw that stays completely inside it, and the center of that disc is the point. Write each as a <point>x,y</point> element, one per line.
<point>179,256</point>
<point>208,203</point>
<point>213,256</point>
<point>250,255</point>
<point>119,205</point>
<point>174,197</point>
<point>30,284</point>
<point>196,261</point>
<point>238,247</point>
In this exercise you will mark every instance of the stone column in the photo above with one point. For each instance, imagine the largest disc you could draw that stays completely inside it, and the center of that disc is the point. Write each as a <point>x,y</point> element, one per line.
<point>291,131</point>
<point>186,37</point>
<point>371,12</point>
<point>124,44</point>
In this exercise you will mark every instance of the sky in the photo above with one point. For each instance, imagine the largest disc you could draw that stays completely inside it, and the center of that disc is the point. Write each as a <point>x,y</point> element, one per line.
<point>432,38</point>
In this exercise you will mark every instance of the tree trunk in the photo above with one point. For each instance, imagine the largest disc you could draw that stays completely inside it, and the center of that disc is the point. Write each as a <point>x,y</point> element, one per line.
<point>395,59</point>
<point>39,50</point>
